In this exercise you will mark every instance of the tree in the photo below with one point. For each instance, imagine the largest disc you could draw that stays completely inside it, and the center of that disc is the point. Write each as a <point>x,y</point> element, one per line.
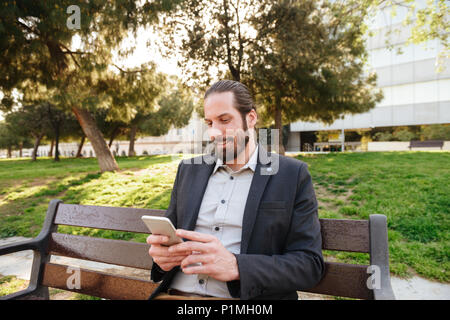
<point>211,38</point>
<point>41,120</point>
<point>30,120</point>
<point>40,60</point>
<point>8,138</point>
<point>174,109</point>
<point>302,59</point>
<point>308,65</point>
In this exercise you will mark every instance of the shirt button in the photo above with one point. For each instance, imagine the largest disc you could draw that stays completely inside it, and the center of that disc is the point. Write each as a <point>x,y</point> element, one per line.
<point>223,201</point>
<point>231,177</point>
<point>201,281</point>
<point>217,228</point>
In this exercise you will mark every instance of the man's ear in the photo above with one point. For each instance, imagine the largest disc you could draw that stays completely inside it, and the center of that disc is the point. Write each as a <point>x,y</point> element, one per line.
<point>252,118</point>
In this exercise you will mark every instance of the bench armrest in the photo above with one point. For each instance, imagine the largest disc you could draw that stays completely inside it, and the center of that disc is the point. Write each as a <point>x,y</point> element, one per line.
<point>39,246</point>
<point>379,256</point>
<point>32,244</point>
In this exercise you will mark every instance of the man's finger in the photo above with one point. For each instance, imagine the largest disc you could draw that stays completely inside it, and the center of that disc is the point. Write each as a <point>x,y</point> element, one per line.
<point>203,269</point>
<point>196,258</point>
<point>157,239</point>
<point>158,250</point>
<point>195,236</point>
<point>190,246</point>
<point>166,260</point>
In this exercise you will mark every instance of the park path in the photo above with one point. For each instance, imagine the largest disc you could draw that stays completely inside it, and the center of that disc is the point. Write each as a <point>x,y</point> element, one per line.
<point>19,265</point>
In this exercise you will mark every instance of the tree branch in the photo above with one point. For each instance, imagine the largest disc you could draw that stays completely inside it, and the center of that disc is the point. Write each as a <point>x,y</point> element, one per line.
<point>127,71</point>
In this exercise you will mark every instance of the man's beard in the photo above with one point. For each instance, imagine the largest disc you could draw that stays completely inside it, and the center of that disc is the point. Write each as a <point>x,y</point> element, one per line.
<point>231,150</point>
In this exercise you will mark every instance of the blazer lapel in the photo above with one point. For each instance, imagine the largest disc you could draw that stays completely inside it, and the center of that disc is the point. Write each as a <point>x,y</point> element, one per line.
<point>255,193</point>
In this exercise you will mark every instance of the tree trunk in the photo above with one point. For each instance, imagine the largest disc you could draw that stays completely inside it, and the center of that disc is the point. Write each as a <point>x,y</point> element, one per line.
<point>20,149</point>
<point>9,152</point>
<point>37,142</point>
<point>105,158</point>
<point>279,126</point>
<point>131,152</point>
<point>50,154</point>
<point>80,147</point>
<point>56,128</point>
<point>113,136</point>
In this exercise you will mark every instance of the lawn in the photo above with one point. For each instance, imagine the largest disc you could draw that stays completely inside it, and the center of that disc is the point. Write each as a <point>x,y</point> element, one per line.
<point>410,188</point>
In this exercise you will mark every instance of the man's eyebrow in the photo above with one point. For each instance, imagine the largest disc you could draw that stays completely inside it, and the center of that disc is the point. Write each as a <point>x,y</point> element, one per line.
<point>220,115</point>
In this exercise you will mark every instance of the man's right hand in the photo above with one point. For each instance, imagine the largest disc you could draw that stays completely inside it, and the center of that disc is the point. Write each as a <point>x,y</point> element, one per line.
<point>161,255</point>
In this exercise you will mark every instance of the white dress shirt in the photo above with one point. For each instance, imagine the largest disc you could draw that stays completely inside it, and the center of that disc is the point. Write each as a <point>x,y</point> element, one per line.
<point>220,214</point>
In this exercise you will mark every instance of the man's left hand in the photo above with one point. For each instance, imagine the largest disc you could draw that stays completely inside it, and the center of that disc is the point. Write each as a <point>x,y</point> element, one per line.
<point>216,261</point>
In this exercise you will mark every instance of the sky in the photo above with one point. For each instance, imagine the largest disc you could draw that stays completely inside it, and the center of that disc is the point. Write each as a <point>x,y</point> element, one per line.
<point>143,53</point>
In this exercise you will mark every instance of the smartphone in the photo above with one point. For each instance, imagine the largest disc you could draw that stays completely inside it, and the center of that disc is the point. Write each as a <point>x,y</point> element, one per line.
<point>162,226</point>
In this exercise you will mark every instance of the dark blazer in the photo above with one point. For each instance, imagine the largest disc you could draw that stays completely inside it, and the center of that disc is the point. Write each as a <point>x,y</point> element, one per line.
<point>281,247</point>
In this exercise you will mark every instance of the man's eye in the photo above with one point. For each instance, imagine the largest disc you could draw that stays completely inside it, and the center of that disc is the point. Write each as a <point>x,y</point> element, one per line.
<point>225,120</point>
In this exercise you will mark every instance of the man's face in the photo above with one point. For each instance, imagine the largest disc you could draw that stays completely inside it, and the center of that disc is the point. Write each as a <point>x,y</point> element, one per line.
<point>226,128</point>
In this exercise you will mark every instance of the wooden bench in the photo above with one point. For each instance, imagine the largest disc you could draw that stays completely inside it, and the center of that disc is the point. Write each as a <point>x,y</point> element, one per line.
<point>426,144</point>
<point>345,280</point>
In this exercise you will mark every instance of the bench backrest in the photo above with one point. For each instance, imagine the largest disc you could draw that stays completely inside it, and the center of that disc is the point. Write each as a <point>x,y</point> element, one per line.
<point>341,279</point>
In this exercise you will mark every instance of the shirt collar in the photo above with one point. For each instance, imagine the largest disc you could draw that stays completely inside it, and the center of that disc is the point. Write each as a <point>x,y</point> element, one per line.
<point>251,163</point>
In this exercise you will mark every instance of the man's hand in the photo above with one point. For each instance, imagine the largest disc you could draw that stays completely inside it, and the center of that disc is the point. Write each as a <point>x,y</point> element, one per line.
<point>216,261</point>
<point>161,255</point>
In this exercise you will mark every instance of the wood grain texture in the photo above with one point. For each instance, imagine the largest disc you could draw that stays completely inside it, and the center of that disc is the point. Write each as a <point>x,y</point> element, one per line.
<point>99,284</point>
<point>110,218</point>
<point>344,280</point>
<point>118,252</point>
<point>345,235</point>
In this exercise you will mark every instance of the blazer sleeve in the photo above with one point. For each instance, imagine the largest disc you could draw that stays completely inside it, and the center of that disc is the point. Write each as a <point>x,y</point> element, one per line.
<point>156,272</point>
<point>301,265</point>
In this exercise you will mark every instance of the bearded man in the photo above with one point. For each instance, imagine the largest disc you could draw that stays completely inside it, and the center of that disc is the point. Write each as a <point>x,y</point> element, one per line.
<point>249,218</point>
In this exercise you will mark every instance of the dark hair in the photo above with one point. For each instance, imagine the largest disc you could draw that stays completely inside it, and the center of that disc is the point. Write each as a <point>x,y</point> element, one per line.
<point>242,97</point>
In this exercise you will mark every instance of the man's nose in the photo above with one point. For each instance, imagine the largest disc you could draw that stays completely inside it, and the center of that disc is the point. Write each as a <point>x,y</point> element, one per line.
<point>214,133</point>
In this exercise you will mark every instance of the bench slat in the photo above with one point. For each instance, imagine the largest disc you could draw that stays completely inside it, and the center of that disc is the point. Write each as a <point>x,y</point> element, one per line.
<point>344,280</point>
<point>118,252</point>
<point>110,218</point>
<point>99,284</point>
<point>345,235</point>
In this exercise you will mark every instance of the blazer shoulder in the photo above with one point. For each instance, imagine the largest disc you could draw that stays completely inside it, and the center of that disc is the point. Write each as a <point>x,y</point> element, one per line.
<point>202,159</point>
<point>292,163</point>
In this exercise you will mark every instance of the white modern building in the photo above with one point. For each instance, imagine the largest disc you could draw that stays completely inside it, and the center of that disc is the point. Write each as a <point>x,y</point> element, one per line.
<point>415,93</point>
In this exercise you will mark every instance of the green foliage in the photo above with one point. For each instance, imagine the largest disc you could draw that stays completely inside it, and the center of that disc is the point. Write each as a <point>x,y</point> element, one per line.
<point>404,135</point>
<point>382,136</point>
<point>309,67</point>
<point>175,109</point>
<point>436,132</point>
<point>425,132</point>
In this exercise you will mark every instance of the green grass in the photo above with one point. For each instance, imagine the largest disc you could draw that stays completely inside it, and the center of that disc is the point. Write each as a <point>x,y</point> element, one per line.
<point>410,188</point>
<point>11,284</point>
